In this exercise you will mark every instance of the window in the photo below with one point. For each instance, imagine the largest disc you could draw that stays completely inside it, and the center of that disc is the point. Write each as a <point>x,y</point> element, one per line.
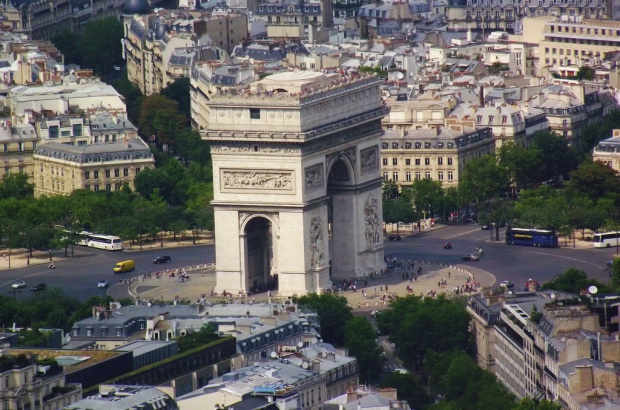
<point>427,161</point>
<point>408,176</point>
<point>408,161</point>
<point>137,170</point>
<point>65,133</point>
<point>479,119</point>
<point>108,187</point>
<point>5,147</point>
<point>427,175</point>
<point>87,175</point>
<point>53,131</point>
<point>427,145</point>
<point>440,161</point>
<point>395,145</point>
<point>125,172</point>
<point>418,145</point>
<point>385,176</point>
<point>407,145</point>
<point>395,176</point>
<point>384,145</point>
<point>117,187</point>
<point>117,172</point>
<point>255,113</point>
<point>77,130</point>
<point>440,175</point>
<point>89,332</point>
<point>20,146</point>
<point>418,175</point>
<point>96,174</point>
<point>450,176</point>
<point>107,173</point>
<point>96,187</point>
<point>417,161</point>
<point>394,161</point>
<point>449,161</point>
<point>385,161</point>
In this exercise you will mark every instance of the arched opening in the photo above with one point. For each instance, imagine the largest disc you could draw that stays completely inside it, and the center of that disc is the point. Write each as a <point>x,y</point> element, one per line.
<point>340,219</point>
<point>259,256</point>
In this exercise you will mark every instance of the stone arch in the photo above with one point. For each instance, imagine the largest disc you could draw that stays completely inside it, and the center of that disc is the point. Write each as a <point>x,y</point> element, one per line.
<point>246,217</point>
<point>338,160</point>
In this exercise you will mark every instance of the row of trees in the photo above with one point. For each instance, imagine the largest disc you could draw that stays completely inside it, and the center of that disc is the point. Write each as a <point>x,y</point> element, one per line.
<point>558,187</point>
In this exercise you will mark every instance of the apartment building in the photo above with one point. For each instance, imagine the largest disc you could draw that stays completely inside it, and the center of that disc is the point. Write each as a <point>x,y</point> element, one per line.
<point>545,348</point>
<point>60,169</point>
<point>433,153</point>
<point>608,151</point>
<point>18,142</point>
<point>424,112</point>
<point>507,15</point>
<point>38,20</point>
<point>26,384</point>
<point>122,397</point>
<point>162,47</point>
<point>297,19</point>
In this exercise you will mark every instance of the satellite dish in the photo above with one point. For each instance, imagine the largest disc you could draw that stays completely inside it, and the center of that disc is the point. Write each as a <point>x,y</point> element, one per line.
<point>399,75</point>
<point>314,340</point>
<point>274,355</point>
<point>552,296</point>
<point>300,344</point>
<point>304,365</point>
<point>593,289</point>
<point>509,292</point>
<point>563,339</point>
<point>149,304</point>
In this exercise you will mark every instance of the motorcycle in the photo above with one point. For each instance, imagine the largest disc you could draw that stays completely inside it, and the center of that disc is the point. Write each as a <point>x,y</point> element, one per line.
<point>447,245</point>
<point>479,251</point>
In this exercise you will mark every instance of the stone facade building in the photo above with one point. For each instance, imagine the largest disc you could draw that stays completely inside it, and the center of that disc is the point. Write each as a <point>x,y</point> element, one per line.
<point>433,153</point>
<point>18,143</point>
<point>608,151</point>
<point>62,168</point>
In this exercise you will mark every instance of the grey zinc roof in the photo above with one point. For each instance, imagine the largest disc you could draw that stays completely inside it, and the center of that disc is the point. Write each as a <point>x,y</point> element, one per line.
<point>140,347</point>
<point>128,397</point>
<point>106,122</point>
<point>94,152</point>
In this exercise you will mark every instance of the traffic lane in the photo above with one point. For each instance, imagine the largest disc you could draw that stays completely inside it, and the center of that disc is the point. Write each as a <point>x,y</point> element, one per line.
<point>79,276</point>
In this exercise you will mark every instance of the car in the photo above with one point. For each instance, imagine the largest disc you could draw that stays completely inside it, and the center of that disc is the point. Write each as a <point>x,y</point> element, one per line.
<point>375,313</point>
<point>485,227</point>
<point>19,284</point>
<point>506,284</point>
<point>103,284</point>
<point>403,371</point>
<point>162,259</point>
<point>470,257</point>
<point>38,287</point>
<point>394,237</point>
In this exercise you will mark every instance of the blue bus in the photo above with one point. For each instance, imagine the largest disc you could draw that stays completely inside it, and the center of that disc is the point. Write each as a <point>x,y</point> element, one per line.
<point>531,237</point>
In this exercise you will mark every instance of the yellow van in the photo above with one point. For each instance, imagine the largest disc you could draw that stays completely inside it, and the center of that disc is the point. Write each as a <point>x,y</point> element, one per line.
<point>124,266</point>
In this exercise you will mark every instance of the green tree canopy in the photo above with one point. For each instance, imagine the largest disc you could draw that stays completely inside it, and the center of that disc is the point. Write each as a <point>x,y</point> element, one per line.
<point>408,388</point>
<point>359,339</point>
<point>574,281</point>
<point>333,311</point>
<point>594,180</point>
<point>482,179</point>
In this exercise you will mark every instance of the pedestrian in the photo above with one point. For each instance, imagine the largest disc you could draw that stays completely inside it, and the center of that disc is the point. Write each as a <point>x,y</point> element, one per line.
<point>375,290</point>
<point>381,288</point>
<point>448,274</point>
<point>386,288</point>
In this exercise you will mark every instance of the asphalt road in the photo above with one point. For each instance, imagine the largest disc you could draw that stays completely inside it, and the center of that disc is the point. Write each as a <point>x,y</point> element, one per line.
<point>79,276</point>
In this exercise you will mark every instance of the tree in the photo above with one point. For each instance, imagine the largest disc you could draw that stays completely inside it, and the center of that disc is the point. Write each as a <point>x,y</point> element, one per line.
<point>160,120</point>
<point>585,73</point>
<point>574,281</point>
<point>594,180</point>
<point>408,388</point>
<point>179,91</point>
<point>529,403</point>
<point>359,339</point>
<point>522,164</point>
<point>427,193</point>
<point>100,45</point>
<point>67,43</point>
<point>16,185</point>
<point>333,312</point>
<point>543,208</point>
<point>417,325</point>
<point>190,341</point>
<point>482,179</point>
<point>559,159</point>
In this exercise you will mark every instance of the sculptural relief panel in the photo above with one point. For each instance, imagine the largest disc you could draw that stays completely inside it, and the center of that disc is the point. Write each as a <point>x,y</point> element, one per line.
<point>267,180</point>
<point>314,176</point>
<point>372,222</point>
<point>369,159</point>
<point>317,243</point>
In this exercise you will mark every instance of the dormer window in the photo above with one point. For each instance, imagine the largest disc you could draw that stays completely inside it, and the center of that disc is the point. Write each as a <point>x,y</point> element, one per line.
<point>504,119</point>
<point>427,145</point>
<point>418,145</point>
<point>490,119</point>
<point>450,145</point>
<point>407,145</point>
<point>384,145</point>
<point>479,119</point>
<point>395,145</point>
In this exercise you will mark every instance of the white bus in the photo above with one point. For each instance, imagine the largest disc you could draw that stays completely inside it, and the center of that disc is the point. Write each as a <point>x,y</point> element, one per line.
<point>606,239</point>
<point>107,242</point>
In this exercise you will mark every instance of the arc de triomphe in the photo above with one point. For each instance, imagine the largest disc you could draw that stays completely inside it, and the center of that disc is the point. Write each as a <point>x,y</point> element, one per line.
<point>297,184</point>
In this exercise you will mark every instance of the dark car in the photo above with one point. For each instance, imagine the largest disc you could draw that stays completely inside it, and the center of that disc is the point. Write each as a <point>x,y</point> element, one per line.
<point>38,287</point>
<point>470,257</point>
<point>162,259</point>
<point>394,237</point>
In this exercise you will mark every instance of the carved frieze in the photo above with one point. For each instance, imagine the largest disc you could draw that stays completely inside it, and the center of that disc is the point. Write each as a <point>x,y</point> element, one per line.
<point>314,176</point>
<point>369,159</point>
<point>233,179</point>
<point>240,147</point>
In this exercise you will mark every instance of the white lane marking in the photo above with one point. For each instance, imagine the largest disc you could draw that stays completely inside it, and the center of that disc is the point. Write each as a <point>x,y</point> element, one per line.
<point>564,257</point>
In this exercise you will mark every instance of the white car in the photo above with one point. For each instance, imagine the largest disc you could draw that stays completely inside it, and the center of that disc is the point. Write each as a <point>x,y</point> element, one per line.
<point>19,284</point>
<point>103,284</point>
